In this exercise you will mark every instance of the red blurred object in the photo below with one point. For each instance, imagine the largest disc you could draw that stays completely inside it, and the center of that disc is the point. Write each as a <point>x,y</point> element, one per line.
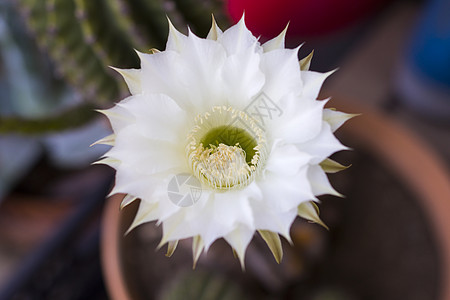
<point>306,17</point>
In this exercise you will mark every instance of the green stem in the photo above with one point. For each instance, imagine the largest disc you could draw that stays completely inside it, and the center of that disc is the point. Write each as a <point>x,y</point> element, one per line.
<point>68,119</point>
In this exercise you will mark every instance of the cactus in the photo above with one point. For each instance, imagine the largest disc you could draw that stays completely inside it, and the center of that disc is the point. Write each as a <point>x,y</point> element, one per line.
<point>202,285</point>
<point>84,37</point>
<point>67,119</point>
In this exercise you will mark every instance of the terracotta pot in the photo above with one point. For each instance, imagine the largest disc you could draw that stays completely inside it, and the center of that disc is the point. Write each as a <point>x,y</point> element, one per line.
<point>407,158</point>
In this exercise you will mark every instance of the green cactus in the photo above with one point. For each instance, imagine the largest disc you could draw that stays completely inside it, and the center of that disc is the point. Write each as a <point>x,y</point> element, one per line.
<point>103,31</point>
<point>201,285</point>
<point>77,60</point>
<point>84,37</point>
<point>67,119</point>
<point>197,14</point>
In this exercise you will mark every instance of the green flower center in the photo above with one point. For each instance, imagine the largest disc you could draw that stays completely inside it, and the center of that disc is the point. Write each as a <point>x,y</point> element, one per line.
<point>231,136</point>
<point>226,148</point>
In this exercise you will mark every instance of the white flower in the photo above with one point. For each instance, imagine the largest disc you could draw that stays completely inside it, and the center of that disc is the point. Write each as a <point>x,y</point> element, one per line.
<point>243,119</point>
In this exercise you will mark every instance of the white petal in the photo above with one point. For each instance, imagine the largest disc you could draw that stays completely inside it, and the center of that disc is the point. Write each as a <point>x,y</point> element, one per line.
<point>286,159</point>
<point>158,117</point>
<point>268,219</point>
<point>237,39</point>
<point>191,78</point>
<point>197,248</point>
<point>305,62</point>
<point>205,59</point>
<point>282,73</point>
<point>320,183</point>
<point>112,162</point>
<point>130,182</point>
<point>214,215</point>
<point>166,208</point>
<point>175,228</point>
<point>336,118</point>
<point>165,73</point>
<point>239,240</point>
<point>233,207</point>
<point>176,40</point>
<point>107,140</point>
<point>132,78</point>
<point>171,247</point>
<point>127,200</point>
<point>153,156</point>
<point>323,145</point>
<point>187,221</point>
<point>242,78</point>
<point>118,116</point>
<point>147,212</point>
<point>215,31</point>
<point>300,120</point>
<point>277,42</point>
<point>310,211</point>
<point>283,193</point>
<point>312,82</point>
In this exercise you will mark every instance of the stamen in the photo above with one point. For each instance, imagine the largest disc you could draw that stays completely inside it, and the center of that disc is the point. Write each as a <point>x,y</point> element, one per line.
<point>226,148</point>
<point>223,166</point>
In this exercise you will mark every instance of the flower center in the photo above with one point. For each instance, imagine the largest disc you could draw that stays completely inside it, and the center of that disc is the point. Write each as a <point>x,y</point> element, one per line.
<point>226,148</point>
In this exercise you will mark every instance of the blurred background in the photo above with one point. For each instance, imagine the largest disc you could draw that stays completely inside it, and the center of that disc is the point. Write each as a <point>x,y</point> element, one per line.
<point>385,242</point>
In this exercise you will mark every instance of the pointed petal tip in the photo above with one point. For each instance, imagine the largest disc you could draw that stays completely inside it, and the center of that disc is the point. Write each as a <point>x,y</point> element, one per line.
<point>129,230</point>
<point>169,21</point>
<point>242,17</point>
<point>241,259</point>
<point>305,63</point>
<point>128,199</point>
<point>241,22</point>
<point>97,162</point>
<point>106,161</point>
<point>331,166</point>
<point>213,22</point>
<point>242,264</point>
<point>310,211</point>
<point>107,140</point>
<point>286,28</point>
<point>197,249</point>
<point>337,194</point>
<point>139,54</point>
<point>111,193</point>
<point>273,241</point>
<point>171,247</point>
<point>289,239</point>
<point>296,49</point>
<point>322,224</point>
<point>172,28</point>
<point>190,33</point>
<point>161,243</point>
<point>142,218</point>
<point>154,50</point>
<point>276,43</point>
<point>214,31</point>
<point>114,68</point>
<point>176,39</point>
<point>102,111</point>
<point>332,71</point>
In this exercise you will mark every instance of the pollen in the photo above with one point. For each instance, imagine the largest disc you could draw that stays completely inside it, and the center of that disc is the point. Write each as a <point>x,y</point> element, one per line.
<point>226,148</point>
<point>222,166</point>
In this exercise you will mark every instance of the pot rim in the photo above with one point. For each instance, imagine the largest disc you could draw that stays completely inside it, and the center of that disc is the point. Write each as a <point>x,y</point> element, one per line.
<point>418,167</point>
